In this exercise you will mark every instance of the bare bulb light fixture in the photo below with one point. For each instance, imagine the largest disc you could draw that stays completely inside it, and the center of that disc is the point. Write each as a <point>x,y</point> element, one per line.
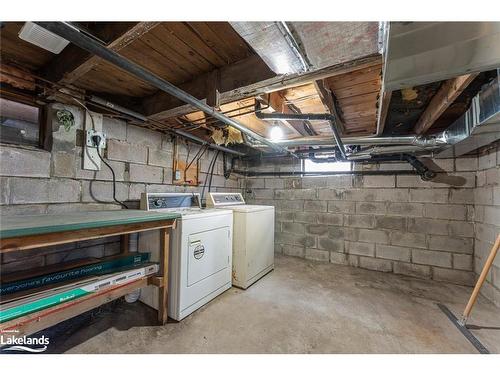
<point>276,133</point>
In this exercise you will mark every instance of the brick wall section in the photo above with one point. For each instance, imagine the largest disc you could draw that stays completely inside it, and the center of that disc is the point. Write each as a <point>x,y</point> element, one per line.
<point>487,219</point>
<point>390,223</point>
<point>35,181</point>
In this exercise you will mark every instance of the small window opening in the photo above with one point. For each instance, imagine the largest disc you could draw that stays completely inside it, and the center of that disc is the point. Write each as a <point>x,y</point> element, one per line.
<point>20,123</point>
<point>334,166</point>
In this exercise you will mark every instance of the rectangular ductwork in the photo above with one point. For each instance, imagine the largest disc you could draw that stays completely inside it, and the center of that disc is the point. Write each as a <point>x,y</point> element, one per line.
<point>477,127</point>
<point>274,44</point>
<point>425,52</point>
<point>297,47</point>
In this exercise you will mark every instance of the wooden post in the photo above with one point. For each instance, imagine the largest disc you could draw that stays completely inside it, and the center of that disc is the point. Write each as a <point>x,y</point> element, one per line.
<point>163,287</point>
<point>480,281</point>
<point>124,242</point>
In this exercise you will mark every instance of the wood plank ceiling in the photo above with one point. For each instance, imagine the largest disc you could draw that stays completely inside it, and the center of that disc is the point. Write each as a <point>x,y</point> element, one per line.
<point>16,50</point>
<point>204,58</point>
<point>356,94</point>
<point>176,51</point>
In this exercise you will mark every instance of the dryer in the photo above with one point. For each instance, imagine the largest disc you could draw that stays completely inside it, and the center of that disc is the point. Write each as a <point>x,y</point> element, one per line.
<point>253,237</point>
<point>200,256</point>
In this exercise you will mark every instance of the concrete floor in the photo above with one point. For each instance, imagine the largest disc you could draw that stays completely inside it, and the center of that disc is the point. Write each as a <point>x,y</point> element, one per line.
<point>301,307</point>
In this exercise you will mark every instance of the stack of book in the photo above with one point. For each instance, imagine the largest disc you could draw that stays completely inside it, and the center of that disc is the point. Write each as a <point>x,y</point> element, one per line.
<point>22,296</point>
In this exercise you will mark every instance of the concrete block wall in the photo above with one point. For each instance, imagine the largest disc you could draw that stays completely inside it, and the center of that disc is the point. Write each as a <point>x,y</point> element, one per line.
<point>34,181</point>
<point>487,219</point>
<point>388,223</point>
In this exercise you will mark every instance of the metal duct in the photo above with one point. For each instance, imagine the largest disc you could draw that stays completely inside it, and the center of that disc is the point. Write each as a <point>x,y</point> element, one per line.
<point>425,52</point>
<point>88,44</point>
<point>270,41</point>
<point>421,141</point>
<point>331,43</point>
<point>389,150</point>
<point>295,47</point>
<point>477,127</point>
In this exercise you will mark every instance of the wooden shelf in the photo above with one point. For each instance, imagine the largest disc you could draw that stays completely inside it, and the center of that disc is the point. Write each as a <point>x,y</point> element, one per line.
<point>29,324</point>
<point>35,231</point>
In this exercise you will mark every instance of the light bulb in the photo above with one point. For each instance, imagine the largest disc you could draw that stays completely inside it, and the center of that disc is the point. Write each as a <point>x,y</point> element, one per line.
<point>276,133</point>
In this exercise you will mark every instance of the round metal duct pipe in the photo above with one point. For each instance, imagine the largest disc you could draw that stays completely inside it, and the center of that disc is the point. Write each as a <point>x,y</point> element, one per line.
<point>423,142</point>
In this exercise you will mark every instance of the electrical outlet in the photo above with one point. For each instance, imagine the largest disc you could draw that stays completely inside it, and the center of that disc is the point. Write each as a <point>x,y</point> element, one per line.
<point>93,126</point>
<point>89,142</point>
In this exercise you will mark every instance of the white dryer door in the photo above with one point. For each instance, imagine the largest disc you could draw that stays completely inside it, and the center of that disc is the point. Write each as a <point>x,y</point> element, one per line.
<point>209,253</point>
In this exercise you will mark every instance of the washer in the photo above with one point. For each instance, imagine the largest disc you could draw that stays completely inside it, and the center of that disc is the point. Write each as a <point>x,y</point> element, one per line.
<point>200,252</point>
<point>253,237</point>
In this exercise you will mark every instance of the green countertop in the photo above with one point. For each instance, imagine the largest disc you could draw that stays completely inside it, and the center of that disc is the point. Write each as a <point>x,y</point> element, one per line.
<point>26,225</point>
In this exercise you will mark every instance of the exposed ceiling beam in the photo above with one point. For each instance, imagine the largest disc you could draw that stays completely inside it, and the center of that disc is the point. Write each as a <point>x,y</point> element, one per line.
<point>383,110</point>
<point>246,78</point>
<point>16,77</point>
<point>446,95</point>
<point>328,100</point>
<point>230,77</point>
<point>74,62</point>
<point>213,89</point>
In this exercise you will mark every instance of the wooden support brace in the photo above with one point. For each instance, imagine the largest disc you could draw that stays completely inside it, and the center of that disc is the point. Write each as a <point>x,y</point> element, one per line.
<point>213,89</point>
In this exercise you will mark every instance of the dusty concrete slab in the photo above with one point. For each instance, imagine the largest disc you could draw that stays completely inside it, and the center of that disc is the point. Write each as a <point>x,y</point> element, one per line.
<point>301,307</point>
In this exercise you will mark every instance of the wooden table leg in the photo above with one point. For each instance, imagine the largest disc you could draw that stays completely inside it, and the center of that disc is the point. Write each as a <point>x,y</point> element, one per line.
<point>163,289</point>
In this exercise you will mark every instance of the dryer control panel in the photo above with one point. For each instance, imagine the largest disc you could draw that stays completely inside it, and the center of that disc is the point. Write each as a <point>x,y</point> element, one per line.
<point>161,201</point>
<point>224,199</point>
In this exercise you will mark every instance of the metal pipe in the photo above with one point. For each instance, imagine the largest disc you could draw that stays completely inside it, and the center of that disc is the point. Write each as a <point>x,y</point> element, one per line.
<point>305,117</point>
<point>422,141</point>
<point>388,150</point>
<point>423,171</point>
<point>116,107</point>
<point>302,174</point>
<point>69,33</point>
<point>138,116</point>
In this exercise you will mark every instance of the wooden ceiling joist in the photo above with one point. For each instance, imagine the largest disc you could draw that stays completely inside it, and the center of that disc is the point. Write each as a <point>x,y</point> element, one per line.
<point>446,95</point>
<point>73,62</point>
<point>329,102</point>
<point>16,77</point>
<point>383,109</point>
<point>249,77</point>
<point>229,77</point>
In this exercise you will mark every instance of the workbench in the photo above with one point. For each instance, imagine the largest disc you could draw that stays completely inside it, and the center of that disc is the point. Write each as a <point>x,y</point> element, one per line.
<point>24,232</point>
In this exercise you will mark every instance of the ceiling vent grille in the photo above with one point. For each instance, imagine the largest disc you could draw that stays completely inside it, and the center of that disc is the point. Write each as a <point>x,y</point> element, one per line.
<point>42,38</point>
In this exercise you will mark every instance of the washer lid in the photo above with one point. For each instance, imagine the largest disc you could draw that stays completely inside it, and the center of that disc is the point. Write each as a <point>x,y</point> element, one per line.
<point>249,208</point>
